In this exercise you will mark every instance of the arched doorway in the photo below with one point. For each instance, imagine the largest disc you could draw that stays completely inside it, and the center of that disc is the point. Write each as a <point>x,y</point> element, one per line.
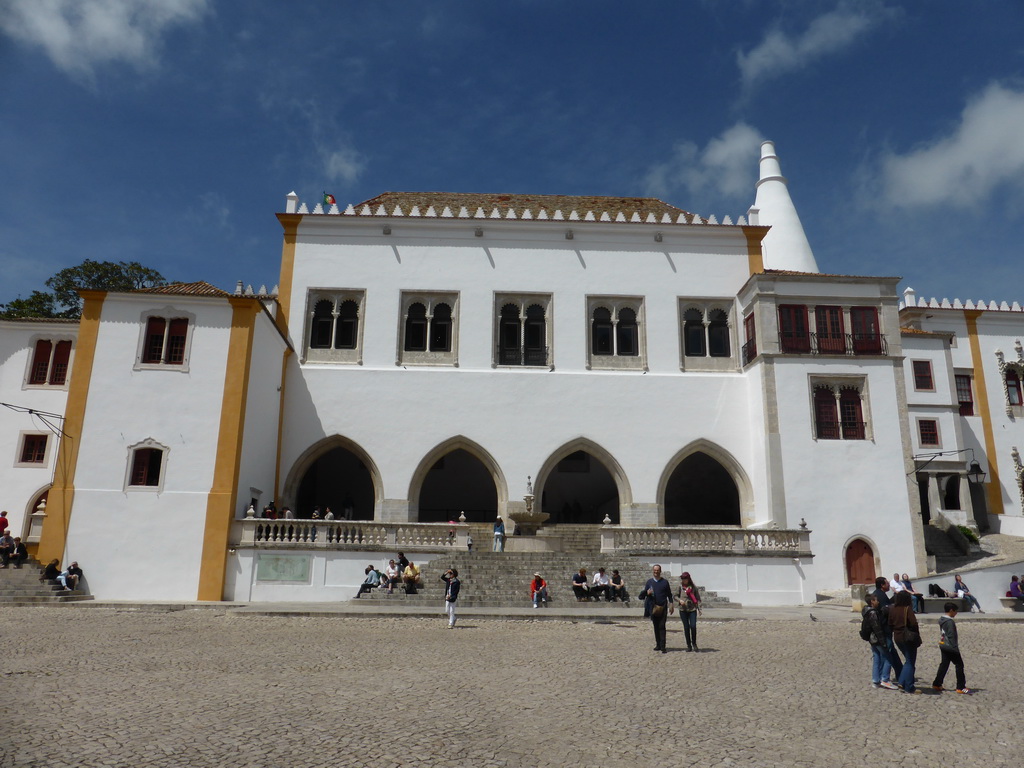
<point>458,482</point>
<point>700,491</point>
<point>579,488</point>
<point>338,478</point>
<point>860,563</point>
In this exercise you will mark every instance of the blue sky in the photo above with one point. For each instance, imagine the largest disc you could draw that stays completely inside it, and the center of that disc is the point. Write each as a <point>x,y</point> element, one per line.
<point>170,132</point>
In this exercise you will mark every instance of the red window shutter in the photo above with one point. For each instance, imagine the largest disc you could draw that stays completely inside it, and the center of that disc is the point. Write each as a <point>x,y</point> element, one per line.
<point>153,348</point>
<point>59,369</point>
<point>40,362</point>
<point>176,336</point>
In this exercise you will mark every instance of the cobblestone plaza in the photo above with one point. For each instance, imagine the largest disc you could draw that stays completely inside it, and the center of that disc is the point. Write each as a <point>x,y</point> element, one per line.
<point>111,687</point>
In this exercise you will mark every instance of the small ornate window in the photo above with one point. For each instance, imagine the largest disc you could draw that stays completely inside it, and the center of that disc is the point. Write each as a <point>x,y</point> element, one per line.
<point>706,334</point>
<point>50,363</point>
<point>616,332</point>
<point>334,328</point>
<point>839,408</point>
<point>429,329</point>
<point>147,466</point>
<point>928,433</point>
<point>523,330</point>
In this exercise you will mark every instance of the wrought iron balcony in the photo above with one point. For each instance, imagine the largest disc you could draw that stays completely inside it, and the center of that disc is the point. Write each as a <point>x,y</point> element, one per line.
<point>833,343</point>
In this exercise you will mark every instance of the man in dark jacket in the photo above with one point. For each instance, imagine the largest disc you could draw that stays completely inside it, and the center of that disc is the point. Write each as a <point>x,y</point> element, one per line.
<point>451,593</point>
<point>657,596</point>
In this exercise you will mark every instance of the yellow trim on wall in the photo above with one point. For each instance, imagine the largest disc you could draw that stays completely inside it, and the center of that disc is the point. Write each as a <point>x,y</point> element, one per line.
<point>993,489</point>
<point>220,505</point>
<point>755,255</point>
<point>290,222</point>
<point>280,423</point>
<point>54,537</point>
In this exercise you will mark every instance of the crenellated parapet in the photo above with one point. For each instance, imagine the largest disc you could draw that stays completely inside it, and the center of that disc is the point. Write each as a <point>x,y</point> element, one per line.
<point>910,301</point>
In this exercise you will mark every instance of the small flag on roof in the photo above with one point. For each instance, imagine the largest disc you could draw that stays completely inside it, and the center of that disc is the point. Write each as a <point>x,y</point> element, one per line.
<point>328,199</point>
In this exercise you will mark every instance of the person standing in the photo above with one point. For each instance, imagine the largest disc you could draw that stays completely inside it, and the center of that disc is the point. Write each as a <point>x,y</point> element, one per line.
<point>949,647</point>
<point>875,629</point>
<point>499,535</point>
<point>451,593</point>
<point>907,635</point>
<point>688,598</point>
<point>657,595</point>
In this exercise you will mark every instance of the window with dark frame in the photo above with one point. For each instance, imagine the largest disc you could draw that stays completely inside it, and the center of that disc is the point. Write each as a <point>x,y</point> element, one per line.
<point>923,375</point>
<point>867,337</point>
<point>718,333</point>
<point>441,329</point>
<point>50,363</point>
<point>826,419</point>
<point>601,332</point>
<point>321,326</point>
<point>750,338</point>
<point>146,463</point>
<point>416,328</point>
<point>793,334</point>
<point>33,449</point>
<point>828,321</point>
<point>346,332</point>
<point>1013,392</point>
<point>165,341</point>
<point>693,333</point>
<point>965,394</point>
<point>928,430</point>
<point>627,338</point>
<point>850,414</point>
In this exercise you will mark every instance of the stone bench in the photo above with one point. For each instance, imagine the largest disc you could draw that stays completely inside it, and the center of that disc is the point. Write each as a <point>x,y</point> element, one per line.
<point>937,604</point>
<point>1012,604</point>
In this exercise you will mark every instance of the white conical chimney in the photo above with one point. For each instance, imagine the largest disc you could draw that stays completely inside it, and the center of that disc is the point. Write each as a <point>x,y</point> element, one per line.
<point>785,246</point>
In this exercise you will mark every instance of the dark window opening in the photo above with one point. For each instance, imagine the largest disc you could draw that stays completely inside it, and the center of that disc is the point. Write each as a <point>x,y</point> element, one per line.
<point>441,329</point>
<point>33,449</point>
<point>693,333</point>
<point>347,326</point>
<point>851,414</point>
<point>718,333</point>
<point>601,343</point>
<point>965,394</point>
<point>416,329</point>
<point>928,429</point>
<point>146,467</point>
<point>826,417</point>
<point>923,375</point>
<point>627,341</point>
<point>829,329</point>
<point>323,321</point>
<point>793,335</point>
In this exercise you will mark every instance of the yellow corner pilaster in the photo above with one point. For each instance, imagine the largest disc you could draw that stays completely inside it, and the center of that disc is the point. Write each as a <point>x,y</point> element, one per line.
<point>755,255</point>
<point>290,222</point>
<point>54,537</point>
<point>993,489</point>
<point>220,505</point>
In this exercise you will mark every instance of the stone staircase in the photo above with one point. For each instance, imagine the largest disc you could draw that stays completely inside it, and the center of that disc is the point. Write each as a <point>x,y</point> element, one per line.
<point>502,579</point>
<point>21,586</point>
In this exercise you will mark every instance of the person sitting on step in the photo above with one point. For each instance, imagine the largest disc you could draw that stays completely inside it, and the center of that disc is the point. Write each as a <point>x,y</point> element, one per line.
<point>601,585</point>
<point>580,587</point>
<point>538,590</point>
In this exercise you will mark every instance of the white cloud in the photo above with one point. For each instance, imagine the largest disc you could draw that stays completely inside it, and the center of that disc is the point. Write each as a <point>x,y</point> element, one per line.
<point>779,53</point>
<point>342,163</point>
<point>78,35</point>
<point>726,166</point>
<point>964,168</point>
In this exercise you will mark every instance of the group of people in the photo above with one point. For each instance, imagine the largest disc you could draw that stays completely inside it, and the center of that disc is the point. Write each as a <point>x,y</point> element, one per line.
<point>889,624</point>
<point>1015,589</point>
<point>12,550</point>
<point>404,572</point>
<point>68,579</point>
<point>270,512</point>
<point>660,602</point>
<point>611,588</point>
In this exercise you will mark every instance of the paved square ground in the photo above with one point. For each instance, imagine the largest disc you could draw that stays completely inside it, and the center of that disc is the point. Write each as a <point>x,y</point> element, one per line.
<point>106,687</point>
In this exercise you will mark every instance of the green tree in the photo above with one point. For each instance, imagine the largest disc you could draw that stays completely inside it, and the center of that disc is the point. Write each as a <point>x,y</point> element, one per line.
<point>63,299</point>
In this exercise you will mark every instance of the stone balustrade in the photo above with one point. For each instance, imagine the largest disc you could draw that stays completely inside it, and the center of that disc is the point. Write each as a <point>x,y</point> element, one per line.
<point>711,540</point>
<point>350,534</point>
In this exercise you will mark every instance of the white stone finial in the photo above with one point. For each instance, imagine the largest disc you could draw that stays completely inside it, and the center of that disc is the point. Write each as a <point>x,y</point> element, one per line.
<point>909,297</point>
<point>785,246</point>
<point>239,287</point>
<point>291,202</point>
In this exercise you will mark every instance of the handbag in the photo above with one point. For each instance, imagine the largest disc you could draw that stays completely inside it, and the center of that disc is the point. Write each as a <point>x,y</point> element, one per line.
<point>658,610</point>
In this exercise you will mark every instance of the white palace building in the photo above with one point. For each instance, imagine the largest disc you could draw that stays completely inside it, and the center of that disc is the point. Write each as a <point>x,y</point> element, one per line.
<point>680,389</point>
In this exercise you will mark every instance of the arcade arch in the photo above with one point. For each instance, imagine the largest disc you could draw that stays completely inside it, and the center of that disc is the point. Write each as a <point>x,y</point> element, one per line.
<point>458,476</point>
<point>337,473</point>
<point>704,485</point>
<point>581,483</point>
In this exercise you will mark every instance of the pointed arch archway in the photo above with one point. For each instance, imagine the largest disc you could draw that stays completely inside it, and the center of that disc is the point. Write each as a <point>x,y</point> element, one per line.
<point>722,465</point>
<point>601,489</point>
<point>364,491</point>
<point>471,456</point>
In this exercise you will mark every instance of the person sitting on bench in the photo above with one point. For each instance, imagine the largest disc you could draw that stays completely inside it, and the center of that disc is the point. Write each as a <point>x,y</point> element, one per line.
<point>601,585</point>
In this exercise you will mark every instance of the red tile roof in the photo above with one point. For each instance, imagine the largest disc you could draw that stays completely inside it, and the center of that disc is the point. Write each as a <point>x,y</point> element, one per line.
<point>200,288</point>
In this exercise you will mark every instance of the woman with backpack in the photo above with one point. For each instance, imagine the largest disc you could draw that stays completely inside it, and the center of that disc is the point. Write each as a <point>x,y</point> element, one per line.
<point>688,598</point>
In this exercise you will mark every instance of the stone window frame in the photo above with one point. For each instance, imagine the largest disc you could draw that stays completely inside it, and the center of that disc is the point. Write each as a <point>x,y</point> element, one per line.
<point>147,444</point>
<point>523,300</point>
<point>337,297</point>
<point>33,348</point>
<point>167,313</point>
<point>837,384</point>
<point>22,438</point>
<point>430,300</point>
<point>914,375</point>
<point>920,435</point>
<point>615,304</point>
<point>707,362</point>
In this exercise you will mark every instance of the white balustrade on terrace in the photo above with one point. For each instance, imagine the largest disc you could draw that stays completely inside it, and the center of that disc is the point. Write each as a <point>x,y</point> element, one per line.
<point>372,534</point>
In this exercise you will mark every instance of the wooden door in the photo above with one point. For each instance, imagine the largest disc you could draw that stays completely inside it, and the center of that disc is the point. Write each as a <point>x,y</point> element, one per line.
<point>860,563</point>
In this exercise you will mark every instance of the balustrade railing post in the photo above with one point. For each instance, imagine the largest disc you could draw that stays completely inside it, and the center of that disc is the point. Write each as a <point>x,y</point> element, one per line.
<point>805,542</point>
<point>739,541</point>
<point>608,538</point>
<point>391,537</point>
<point>248,536</point>
<point>461,535</point>
<point>674,539</point>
